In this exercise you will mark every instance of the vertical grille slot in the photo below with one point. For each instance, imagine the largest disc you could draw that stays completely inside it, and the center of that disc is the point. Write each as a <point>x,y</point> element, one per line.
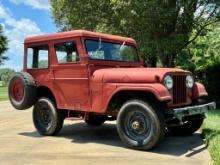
<point>179,89</point>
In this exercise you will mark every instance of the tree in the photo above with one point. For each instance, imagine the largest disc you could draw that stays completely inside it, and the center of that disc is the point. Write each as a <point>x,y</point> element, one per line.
<point>162,28</point>
<point>202,57</point>
<point>5,75</point>
<point>202,53</point>
<point>3,46</point>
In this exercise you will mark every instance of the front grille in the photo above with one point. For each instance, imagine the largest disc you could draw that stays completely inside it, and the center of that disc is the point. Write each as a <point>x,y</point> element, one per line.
<point>179,89</point>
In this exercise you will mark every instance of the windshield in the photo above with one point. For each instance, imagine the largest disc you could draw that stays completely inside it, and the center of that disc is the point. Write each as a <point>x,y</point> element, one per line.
<point>101,50</point>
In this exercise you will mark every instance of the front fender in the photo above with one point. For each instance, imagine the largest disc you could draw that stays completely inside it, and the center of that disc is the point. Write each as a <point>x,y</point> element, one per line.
<point>109,90</point>
<point>199,91</point>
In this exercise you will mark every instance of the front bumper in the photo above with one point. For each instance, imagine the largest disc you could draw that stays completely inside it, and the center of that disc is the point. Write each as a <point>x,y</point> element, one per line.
<point>179,113</point>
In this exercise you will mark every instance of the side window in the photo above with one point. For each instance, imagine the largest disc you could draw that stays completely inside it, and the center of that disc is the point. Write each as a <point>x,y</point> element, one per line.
<point>37,57</point>
<point>66,52</point>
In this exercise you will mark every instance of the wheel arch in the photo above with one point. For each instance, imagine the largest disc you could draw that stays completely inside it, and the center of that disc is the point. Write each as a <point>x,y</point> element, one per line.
<point>43,91</point>
<point>122,95</point>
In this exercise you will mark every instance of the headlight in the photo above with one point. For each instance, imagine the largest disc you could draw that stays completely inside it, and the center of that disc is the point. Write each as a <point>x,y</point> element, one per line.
<point>168,82</point>
<point>189,81</point>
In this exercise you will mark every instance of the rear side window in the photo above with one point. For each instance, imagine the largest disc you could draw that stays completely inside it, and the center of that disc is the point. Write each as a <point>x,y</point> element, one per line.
<point>37,57</point>
<point>66,52</point>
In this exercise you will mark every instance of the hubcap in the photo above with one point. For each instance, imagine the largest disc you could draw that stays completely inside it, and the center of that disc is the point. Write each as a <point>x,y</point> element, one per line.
<point>137,125</point>
<point>44,115</point>
<point>17,90</point>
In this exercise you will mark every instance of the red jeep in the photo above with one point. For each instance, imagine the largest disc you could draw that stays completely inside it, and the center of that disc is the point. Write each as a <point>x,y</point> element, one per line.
<point>100,77</point>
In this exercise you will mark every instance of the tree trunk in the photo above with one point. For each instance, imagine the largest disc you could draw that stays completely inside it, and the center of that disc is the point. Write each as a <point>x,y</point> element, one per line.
<point>172,60</point>
<point>153,61</point>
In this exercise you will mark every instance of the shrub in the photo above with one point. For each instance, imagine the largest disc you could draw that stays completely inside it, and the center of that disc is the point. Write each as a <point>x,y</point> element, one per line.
<point>211,79</point>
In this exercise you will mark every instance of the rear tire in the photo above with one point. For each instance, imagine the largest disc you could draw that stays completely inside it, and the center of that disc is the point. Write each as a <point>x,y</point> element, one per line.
<point>47,119</point>
<point>139,125</point>
<point>187,129</point>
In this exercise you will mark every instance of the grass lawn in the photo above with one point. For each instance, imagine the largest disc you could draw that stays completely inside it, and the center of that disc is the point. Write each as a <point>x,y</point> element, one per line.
<point>3,93</point>
<point>211,131</point>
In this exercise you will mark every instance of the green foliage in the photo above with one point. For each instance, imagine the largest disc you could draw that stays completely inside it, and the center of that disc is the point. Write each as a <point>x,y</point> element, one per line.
<point>5,75</point>
<point>3,46</point>
<point>162,28</point>
<point>211,79</point>
<point>204,52</point>
<point>202,57</point>
<point>211,131</point>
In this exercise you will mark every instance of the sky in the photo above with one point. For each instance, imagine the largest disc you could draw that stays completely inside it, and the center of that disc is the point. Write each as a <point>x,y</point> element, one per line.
<point>20,19</point>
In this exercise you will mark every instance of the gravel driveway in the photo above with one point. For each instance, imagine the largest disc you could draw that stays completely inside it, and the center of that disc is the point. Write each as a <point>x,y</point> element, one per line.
<point>81,144</point>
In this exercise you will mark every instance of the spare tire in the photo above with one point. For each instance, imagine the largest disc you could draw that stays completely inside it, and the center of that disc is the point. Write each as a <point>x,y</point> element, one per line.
<point>22,91</point>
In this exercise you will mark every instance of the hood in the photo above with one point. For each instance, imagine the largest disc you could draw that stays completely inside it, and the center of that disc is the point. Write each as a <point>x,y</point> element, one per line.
<point>134,75</point>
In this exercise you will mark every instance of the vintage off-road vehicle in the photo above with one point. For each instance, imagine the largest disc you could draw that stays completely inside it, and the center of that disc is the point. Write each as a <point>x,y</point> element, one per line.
<point>99,77</point>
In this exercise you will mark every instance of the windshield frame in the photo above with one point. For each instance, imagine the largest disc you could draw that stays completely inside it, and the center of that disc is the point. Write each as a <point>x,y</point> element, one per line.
<point>112,42</point>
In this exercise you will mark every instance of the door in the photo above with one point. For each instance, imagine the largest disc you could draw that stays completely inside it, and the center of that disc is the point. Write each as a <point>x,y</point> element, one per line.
<point>71,76</point>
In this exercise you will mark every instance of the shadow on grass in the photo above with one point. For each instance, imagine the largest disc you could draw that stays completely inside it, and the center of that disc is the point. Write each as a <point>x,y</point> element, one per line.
<point>215,112</point>
<point>107,135</point>
<point>210,134</point>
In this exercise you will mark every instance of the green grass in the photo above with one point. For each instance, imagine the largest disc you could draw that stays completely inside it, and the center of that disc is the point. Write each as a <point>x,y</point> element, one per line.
<point>3,93</point>
<point>211,131</point>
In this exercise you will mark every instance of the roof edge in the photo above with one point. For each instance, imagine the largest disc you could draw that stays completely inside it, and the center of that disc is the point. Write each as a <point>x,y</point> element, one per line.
<point>75,33</point>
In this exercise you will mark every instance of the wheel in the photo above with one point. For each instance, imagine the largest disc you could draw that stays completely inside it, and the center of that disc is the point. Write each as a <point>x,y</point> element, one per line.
<point>139,125</point>
<point>95,120</point>
<point>47,119</point>
<point>22,91</point>
<point>188,128</point>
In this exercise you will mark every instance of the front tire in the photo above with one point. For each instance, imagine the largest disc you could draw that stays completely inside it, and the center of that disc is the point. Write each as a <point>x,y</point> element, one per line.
<point>47,119</point>
<point>139,125</point>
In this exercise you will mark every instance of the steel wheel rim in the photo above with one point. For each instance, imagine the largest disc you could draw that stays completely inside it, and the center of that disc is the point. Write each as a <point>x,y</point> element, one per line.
<point>137,125</point>
<point>44,115</point>
<point>17,90</point>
